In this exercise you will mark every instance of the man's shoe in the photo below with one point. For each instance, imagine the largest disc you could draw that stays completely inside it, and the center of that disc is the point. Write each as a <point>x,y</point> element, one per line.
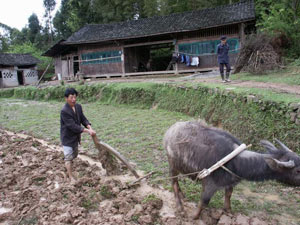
<point>227,80</point>
<point>223,81</point>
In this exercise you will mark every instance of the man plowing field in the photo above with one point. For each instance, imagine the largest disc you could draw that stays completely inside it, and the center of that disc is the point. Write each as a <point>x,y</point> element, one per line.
<point>71,118</point>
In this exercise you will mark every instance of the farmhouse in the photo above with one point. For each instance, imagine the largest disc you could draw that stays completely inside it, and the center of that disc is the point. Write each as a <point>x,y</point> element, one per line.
<point>17,69</point>
<point>177,43</point>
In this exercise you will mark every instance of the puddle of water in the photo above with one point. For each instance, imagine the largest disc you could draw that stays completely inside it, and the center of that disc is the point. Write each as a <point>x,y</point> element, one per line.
<point>23,136</point>
<point>4,210</point>
<point>56,185</point>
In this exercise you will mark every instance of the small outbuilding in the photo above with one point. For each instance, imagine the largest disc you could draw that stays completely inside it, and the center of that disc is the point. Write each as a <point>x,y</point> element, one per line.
<point>17,69</point>
<point>177,43</point>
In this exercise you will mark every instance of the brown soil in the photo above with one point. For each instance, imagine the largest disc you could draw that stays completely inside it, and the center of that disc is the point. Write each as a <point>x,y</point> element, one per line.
<point>34,190</point>
<point>276,87</point>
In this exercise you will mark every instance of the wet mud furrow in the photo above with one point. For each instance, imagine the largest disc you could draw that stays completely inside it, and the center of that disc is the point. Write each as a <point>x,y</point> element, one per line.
<point>34,190</point>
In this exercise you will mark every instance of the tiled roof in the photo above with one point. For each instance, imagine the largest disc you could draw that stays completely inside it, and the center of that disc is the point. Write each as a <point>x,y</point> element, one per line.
<point>9,59</point>
<point>174,23</point>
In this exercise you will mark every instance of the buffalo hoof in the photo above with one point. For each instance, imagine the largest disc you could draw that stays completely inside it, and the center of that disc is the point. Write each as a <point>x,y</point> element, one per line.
<point>181,195</point>
<point>197,215</point>
<point>180,211</point>
<point>227,210</point>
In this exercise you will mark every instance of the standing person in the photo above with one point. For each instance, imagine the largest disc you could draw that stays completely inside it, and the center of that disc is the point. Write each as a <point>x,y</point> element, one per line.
<point>223,58</point>
<point>71,118</point>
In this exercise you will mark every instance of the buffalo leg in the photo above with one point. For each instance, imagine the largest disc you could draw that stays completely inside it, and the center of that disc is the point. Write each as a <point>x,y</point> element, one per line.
<point>206,195</point>
<point>228,193</point>
<point>177,194</point>
<point>177,190</point>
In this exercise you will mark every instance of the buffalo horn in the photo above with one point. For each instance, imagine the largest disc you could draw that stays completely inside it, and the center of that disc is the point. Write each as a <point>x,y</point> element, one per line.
<point>283,146</point>
<point>290,164</point>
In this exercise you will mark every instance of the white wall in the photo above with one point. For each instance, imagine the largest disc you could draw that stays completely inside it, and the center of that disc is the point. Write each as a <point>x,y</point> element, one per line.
<point>30,76</point>
<point>9,78</point>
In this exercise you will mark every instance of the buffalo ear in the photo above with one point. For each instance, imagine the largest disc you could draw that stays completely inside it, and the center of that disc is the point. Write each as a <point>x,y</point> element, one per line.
<point>272,164</point>
<point>277,165</point>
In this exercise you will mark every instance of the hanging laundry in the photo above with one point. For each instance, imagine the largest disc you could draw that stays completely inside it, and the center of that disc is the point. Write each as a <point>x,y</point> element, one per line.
<point>188,60</point>
<point>182,58</point>
<point>195,61</point>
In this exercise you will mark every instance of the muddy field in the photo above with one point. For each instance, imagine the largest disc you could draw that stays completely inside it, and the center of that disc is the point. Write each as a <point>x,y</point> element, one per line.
<point>34,190</point>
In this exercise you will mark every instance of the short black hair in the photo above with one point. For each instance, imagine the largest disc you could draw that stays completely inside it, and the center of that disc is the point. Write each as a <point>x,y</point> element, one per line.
<point>223,38</point>
<point>70,91</point>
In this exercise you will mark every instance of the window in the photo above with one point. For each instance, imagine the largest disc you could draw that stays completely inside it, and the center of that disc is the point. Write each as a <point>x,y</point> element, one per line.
<point>101,57</point>
<point>207,47</point>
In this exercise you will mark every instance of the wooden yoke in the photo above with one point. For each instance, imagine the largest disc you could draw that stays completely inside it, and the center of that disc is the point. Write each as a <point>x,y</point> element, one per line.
<point>206,172</point>
<point>100,145</point>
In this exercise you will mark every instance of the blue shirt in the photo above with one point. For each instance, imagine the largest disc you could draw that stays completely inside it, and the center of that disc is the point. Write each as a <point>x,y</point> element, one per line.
<point>222,51</point>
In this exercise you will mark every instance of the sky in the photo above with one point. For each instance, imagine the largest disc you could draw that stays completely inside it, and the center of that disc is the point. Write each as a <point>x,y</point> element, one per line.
<point>15,13</point>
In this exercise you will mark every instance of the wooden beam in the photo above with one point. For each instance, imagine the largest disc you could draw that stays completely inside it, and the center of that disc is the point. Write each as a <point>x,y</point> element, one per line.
<point>148,43</point>
<point>176,65</point>
<point>123,62</point>
<point>110,75</point>
<point>206,172</point>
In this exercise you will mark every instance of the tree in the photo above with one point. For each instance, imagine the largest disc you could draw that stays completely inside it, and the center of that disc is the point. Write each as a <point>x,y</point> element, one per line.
<point>149,9</point>
<point>60,21</point>
<point>10,36</point>
<point>34,27</point>
<point>177,6</point>
<point>281,18</point>
<point>4,37</point>
<point>29,48</point>
<point>74,14</point>
<point>49,7</point>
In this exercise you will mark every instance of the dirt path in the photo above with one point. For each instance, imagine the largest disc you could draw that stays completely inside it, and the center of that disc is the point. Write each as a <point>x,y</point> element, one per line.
<point>34,190</point>
<point>276,87</point>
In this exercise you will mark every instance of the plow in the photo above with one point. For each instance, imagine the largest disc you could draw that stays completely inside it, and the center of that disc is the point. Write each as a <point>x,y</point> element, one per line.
<point>104,148</point>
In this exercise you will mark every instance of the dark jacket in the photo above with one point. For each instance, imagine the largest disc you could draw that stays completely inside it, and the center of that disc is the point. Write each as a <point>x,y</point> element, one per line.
<point>223,51</point>
<point>70,125</point>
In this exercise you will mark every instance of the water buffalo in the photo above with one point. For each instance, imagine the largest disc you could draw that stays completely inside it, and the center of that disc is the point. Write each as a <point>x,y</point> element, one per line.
<point>193,146</point>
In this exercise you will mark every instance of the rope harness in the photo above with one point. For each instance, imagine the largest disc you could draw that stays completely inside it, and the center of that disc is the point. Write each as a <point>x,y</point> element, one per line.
<point>220,164</point>
<point>198,172</point>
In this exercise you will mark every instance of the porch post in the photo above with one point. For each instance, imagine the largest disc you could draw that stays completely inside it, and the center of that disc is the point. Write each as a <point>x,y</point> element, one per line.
<point>242,33</point>
<point>123,62</point>
<point>176,64</point>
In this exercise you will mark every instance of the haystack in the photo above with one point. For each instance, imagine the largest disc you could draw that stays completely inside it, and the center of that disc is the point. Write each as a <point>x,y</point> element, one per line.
<point>258,55</point>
